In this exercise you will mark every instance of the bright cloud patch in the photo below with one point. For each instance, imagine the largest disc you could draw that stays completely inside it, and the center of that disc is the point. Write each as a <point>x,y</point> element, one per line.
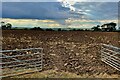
<point>32,23</point>
<point>53,24</point>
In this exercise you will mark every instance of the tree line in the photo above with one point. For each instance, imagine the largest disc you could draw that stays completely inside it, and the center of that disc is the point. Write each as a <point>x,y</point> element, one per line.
<point>6,26</point>
<point>105,27</point>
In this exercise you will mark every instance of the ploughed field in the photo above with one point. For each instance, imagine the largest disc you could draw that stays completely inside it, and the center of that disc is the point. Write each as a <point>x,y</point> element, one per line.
<point>70,51</point>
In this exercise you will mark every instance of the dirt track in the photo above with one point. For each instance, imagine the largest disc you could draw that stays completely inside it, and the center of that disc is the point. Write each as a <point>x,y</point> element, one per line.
<point>73,51</point>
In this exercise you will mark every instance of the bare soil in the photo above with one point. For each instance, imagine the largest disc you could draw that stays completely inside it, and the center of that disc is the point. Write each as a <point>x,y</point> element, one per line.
<point>69,51</point>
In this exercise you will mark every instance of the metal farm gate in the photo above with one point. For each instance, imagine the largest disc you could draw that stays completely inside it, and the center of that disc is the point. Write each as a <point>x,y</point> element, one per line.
<point>111,55</point>
<point>15,62</point>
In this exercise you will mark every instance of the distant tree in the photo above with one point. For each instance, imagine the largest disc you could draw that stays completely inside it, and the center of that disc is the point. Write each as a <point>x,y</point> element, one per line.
<point>49,29</point>
<point>40,29</point>
<point>113,26</point>
<point>96,28</point>
<point>87,30</point>
<point>79,30</point>
<point>74,30</point>
<point>109,27</point>
<point>37,28</point>
<point>3,25</point>
<point>8,26</point>
<point>59,29</point>
<point>63,30</point>
<point>25,28</point>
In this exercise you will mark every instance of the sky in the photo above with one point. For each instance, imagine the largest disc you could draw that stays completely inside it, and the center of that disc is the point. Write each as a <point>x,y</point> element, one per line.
<point>59,0</point>
<point>59,14</point>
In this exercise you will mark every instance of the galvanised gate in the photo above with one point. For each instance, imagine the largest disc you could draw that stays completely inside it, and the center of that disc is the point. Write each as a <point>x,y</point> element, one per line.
<point>20,61</point>
<point>111,55</point>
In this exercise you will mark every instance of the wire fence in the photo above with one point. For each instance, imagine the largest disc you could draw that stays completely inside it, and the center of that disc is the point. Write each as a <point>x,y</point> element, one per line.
<point>21,61</point>
<point>111,56</point>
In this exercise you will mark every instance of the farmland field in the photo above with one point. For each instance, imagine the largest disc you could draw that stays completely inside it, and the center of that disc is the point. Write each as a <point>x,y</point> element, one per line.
<point>67,51</point>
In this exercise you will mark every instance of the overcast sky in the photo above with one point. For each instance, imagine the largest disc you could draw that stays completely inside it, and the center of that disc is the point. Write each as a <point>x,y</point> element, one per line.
<point>59,0</point>
<point>60,12</point>
<point>54,10</point>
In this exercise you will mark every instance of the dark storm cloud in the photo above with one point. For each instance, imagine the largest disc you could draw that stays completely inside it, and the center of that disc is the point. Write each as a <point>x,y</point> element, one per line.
<point>54,10</point>
<point>34,10</point>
